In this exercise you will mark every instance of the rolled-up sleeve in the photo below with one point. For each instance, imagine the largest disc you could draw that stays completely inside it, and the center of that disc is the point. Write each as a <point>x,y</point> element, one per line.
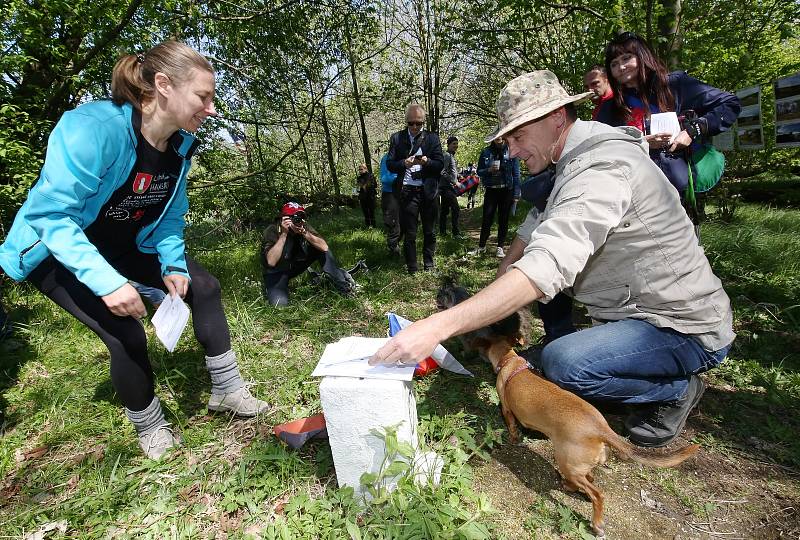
<point>583,213</point>
<point>532,220</point>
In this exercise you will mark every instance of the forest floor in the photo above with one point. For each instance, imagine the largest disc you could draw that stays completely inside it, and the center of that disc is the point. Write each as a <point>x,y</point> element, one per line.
<point>70,467</point>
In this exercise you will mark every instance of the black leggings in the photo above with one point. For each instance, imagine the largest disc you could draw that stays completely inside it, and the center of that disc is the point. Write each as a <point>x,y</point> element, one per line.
<point>499,201</point>
<point>125,337</point>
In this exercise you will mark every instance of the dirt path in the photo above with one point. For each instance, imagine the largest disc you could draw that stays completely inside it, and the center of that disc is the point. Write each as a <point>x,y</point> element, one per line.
<point>723,492</point>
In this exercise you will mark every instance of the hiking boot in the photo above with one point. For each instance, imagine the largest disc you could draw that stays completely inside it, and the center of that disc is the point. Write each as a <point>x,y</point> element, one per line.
<point>533,354</point>
<point>500,253</point>
<point>240,402</point>
<point>156,443</point>
<point>660,423</point>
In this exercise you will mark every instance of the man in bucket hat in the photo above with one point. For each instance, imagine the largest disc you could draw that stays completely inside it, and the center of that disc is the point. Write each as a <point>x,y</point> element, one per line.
<point>613,235</point>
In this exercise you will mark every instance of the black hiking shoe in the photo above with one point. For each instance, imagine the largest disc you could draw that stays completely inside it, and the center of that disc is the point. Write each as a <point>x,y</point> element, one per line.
<point>660,423</point>
<point>533,354</point>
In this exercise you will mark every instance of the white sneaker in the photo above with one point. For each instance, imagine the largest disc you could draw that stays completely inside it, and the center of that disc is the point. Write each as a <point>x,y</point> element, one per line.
<point>477,251</point>
<point>155,444</point>
<point>500,253</point>
<point>240,402</point>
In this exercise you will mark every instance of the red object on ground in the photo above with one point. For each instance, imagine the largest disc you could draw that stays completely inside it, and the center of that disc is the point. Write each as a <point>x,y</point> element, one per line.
<point>425,367</point>
<point>297,432</point>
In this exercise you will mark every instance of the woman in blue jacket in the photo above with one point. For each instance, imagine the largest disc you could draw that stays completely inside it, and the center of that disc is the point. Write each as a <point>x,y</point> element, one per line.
<point>109,207</point>
<point>642,87</point>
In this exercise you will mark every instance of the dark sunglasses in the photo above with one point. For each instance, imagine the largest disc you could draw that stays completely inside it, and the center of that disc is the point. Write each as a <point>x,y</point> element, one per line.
<point>415,123</point>
<point>623,37</point>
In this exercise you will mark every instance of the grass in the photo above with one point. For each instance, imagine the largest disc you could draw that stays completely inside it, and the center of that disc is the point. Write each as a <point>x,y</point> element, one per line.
<point>69,459</point>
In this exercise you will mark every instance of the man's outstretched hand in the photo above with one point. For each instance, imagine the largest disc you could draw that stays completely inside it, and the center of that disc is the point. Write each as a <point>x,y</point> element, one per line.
<point>411,345</point>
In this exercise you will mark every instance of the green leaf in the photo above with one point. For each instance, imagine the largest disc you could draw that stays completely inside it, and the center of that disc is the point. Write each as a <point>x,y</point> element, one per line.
<point>396,468</point>
<point>368,478</point>
<point>352,530</point>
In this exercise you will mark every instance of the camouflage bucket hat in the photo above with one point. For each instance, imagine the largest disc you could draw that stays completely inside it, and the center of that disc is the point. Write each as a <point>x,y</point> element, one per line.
<point>529,97</point>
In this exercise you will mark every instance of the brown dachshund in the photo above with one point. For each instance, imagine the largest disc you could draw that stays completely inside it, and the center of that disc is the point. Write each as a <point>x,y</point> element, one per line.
<point>578,431</point>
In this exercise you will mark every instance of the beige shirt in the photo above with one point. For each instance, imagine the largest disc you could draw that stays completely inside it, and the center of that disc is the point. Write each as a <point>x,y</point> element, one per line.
<point>614,231</point>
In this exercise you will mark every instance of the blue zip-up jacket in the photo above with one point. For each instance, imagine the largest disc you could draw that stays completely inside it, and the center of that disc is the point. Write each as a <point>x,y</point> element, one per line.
<point>719,108</point>
<point>90,154</point>
<point>387,176</point>
<point>509,169</point>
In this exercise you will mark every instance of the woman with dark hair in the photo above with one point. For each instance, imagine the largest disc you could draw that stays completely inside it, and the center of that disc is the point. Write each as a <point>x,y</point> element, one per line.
<point>642,87</point>
<point>109,209</point>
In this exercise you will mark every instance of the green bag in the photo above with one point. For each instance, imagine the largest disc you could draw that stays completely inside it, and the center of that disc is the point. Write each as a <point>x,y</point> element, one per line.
<point>709,164</point>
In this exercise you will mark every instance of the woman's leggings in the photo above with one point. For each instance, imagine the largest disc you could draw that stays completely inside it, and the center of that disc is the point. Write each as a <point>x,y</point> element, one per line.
<point>499,201</point>
<point>125,337</point>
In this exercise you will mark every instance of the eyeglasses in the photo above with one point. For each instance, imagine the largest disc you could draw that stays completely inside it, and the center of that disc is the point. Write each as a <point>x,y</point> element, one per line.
<point>415,123</point>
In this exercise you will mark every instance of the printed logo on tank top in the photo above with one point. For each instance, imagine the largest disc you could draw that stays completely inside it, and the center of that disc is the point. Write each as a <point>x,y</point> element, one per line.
<point>148,190</point>
<point>142,182</point>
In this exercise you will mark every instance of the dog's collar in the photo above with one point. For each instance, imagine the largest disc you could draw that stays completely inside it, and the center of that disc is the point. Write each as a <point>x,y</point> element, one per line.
<point>502,363</point>
<point>505,360</point>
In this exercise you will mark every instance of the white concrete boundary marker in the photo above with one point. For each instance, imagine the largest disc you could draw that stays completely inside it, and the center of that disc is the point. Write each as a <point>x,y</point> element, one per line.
<point>353,407</point>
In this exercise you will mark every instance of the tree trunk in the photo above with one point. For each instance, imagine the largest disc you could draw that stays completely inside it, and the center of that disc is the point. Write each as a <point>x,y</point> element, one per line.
<point>329,150</point>
<point>306,158</point>
<point>357,99</point>
<point>669,41</point>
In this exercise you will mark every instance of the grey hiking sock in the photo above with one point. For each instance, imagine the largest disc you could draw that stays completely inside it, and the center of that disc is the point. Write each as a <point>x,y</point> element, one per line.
<point>224,372</point>
<point>148,420</point>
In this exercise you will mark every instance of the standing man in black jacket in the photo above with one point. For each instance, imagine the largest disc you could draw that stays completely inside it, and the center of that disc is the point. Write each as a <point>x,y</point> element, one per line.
<point>415,155</point>
<point>447,188</point>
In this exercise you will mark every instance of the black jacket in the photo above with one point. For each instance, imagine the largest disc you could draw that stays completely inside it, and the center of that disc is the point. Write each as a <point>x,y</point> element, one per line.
<point>400,148</point>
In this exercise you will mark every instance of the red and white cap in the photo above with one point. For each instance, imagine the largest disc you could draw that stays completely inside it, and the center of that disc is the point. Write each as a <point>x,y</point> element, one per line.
<point>292,208</point>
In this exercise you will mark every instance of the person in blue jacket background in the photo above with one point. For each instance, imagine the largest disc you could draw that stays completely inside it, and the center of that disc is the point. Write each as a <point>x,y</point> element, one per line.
<point>390,204</point>
<point>501,182</point>
<point>642,86</point>
<point>109,207</point>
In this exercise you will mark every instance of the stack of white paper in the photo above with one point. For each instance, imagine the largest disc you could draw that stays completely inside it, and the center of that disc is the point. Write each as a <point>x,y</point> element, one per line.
<point>665,123</point>
<point>169,320</point>
<point>349,357</point>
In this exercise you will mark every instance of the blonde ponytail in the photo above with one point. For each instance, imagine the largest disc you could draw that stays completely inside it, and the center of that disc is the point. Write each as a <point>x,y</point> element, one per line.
<point>133,78</point>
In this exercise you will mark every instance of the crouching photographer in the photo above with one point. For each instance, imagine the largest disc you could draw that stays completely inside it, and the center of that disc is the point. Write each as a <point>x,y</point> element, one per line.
<point>288,248</point>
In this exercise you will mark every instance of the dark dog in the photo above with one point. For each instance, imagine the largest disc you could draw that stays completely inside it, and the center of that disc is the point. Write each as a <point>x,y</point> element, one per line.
<point>578,431</point>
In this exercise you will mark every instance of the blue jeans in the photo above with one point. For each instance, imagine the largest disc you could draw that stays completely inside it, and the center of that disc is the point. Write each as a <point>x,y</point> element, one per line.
<point>628,361</point>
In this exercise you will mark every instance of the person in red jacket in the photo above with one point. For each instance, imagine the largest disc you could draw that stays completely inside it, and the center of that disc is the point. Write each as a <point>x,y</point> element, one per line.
<point>596,80</point>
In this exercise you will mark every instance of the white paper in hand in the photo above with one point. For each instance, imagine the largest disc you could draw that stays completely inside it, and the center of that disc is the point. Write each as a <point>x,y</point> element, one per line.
<point>349,357</point>
<point>169,320</point>
<point>665,123</point>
